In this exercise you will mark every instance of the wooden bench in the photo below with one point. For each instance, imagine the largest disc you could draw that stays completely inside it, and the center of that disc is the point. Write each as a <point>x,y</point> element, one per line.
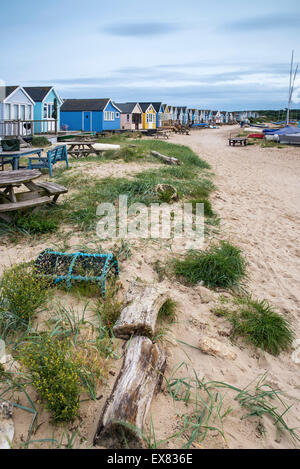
<point>58,153</point>
<point>12,206</point>
<point>51,188</point>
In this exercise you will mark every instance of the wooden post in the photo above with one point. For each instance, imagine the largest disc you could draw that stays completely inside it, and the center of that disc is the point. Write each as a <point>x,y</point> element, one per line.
<point>125,411</point>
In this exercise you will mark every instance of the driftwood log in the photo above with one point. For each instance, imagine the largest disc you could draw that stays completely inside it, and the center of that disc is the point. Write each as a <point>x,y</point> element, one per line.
<point>166,159</point>
<point>140,315</point>
<point>124,414</point>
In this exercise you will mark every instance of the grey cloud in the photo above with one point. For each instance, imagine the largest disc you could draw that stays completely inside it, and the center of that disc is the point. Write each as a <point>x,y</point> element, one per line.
<point>263,23</point>
<point>226,97</point>
<point>141,29</point>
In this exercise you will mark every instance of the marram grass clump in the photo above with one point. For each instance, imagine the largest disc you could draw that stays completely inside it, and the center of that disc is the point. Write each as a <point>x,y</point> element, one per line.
<point>167,311</point>
<point>221,266</point>
<point>262,326</point>
<point>54,375</point>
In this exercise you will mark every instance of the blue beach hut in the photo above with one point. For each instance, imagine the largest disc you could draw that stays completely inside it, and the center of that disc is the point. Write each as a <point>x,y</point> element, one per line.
<point>90,115</point>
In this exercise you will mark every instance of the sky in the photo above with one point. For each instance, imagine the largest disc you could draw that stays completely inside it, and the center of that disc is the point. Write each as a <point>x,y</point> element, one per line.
<point>223,55</point>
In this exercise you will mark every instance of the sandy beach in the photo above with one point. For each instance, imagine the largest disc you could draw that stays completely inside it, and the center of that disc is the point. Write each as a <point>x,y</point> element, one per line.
<point>258,202</point>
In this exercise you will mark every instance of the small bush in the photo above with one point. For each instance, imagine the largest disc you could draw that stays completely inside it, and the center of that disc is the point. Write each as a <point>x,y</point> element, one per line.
<point>262,326</point>
<point>168,311</point>
<point>35,224</point>
<point>23,291</point>
<point>40,142</point>
<point>221,266</point>
<point>54,375</point>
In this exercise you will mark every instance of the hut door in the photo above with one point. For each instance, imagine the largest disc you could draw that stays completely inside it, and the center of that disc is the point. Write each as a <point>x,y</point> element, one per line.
<point>87,122</point>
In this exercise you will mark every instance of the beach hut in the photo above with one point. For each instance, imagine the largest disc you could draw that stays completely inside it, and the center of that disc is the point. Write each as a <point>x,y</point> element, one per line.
<point>16,109</point>
<point>182,115</point>
<point>167,116</point>
<point>149,116</point>
<point>173,114</point>
<point>191,115</point>
<point>131,116</point>
<point>159,109</point>
<point>47,105</point>
<point>90,115</point>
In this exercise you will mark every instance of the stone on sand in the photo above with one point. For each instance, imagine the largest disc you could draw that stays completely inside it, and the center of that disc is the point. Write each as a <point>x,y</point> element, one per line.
<point>211,346</point>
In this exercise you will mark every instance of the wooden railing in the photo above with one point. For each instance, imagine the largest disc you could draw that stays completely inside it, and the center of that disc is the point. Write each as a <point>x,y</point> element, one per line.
<point>27,128</point>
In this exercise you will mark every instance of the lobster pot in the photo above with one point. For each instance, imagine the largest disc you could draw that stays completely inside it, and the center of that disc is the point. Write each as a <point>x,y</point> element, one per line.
<point>77,267</point>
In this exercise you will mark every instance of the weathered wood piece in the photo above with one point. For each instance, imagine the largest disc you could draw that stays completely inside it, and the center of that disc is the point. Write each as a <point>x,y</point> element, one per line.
<point>140,315</point>
<point>166,159</point>
<point>124,414</point>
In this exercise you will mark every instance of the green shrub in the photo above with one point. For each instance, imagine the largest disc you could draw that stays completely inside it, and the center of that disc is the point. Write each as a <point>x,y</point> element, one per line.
<point>23,291</point>
<point>40,142</point>
<point>221,266</point>
<point>54,375</point>
<point>262,326</point>
<point>36,224</point>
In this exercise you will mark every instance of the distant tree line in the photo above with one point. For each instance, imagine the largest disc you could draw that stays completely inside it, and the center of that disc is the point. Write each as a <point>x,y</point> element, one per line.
<point>278,115</point>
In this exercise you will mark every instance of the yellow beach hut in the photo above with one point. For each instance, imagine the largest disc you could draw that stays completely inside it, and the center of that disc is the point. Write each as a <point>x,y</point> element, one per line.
<point>149,116</point>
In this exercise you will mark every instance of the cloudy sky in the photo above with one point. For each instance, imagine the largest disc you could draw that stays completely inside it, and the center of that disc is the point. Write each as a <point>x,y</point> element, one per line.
<point>227,55</point>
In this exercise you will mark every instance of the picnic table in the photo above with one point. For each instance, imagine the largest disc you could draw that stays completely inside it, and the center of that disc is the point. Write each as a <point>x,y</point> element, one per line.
<point>237,140</point>
<point>164,134</point>
<point>37,194</point>
<point>80,149</point>
<point>13,157</point>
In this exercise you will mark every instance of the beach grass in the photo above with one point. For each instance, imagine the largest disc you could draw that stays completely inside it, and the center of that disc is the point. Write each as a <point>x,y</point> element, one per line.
<point>220,266</point>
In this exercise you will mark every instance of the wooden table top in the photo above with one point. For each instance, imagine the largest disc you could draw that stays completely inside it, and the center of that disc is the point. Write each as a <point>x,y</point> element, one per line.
<point>20,152</point>
<point>83,142</point>
<point>9,178</point>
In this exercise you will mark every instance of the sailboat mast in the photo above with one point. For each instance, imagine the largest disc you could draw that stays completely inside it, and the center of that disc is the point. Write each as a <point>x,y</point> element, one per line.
<point>290,88</point>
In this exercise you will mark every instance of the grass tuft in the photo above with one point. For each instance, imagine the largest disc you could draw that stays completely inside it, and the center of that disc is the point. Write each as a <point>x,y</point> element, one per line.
<point>262,326</point>
<point>221,266</point>
<point>36,224</point>
<point>168,311</point>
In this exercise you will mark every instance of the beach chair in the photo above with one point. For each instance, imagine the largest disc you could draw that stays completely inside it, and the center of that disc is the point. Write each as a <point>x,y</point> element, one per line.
<point>58,153</point>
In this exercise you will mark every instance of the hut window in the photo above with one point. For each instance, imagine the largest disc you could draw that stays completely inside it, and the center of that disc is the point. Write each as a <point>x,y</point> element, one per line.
<point>15,111</point>
<point>128,117</point>
<point>109,116</point>
<point>7,111</point>
<point>117,115</point>
<point>22,113</point>
<point>150,117</point>
<point>47,111</point>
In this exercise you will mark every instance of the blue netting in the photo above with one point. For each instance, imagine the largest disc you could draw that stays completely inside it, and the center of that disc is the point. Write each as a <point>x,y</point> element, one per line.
<point>77,267</point>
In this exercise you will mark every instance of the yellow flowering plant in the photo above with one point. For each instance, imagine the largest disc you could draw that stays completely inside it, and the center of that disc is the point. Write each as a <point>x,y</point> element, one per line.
<point>54,375</point>
<point>23,291</point>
